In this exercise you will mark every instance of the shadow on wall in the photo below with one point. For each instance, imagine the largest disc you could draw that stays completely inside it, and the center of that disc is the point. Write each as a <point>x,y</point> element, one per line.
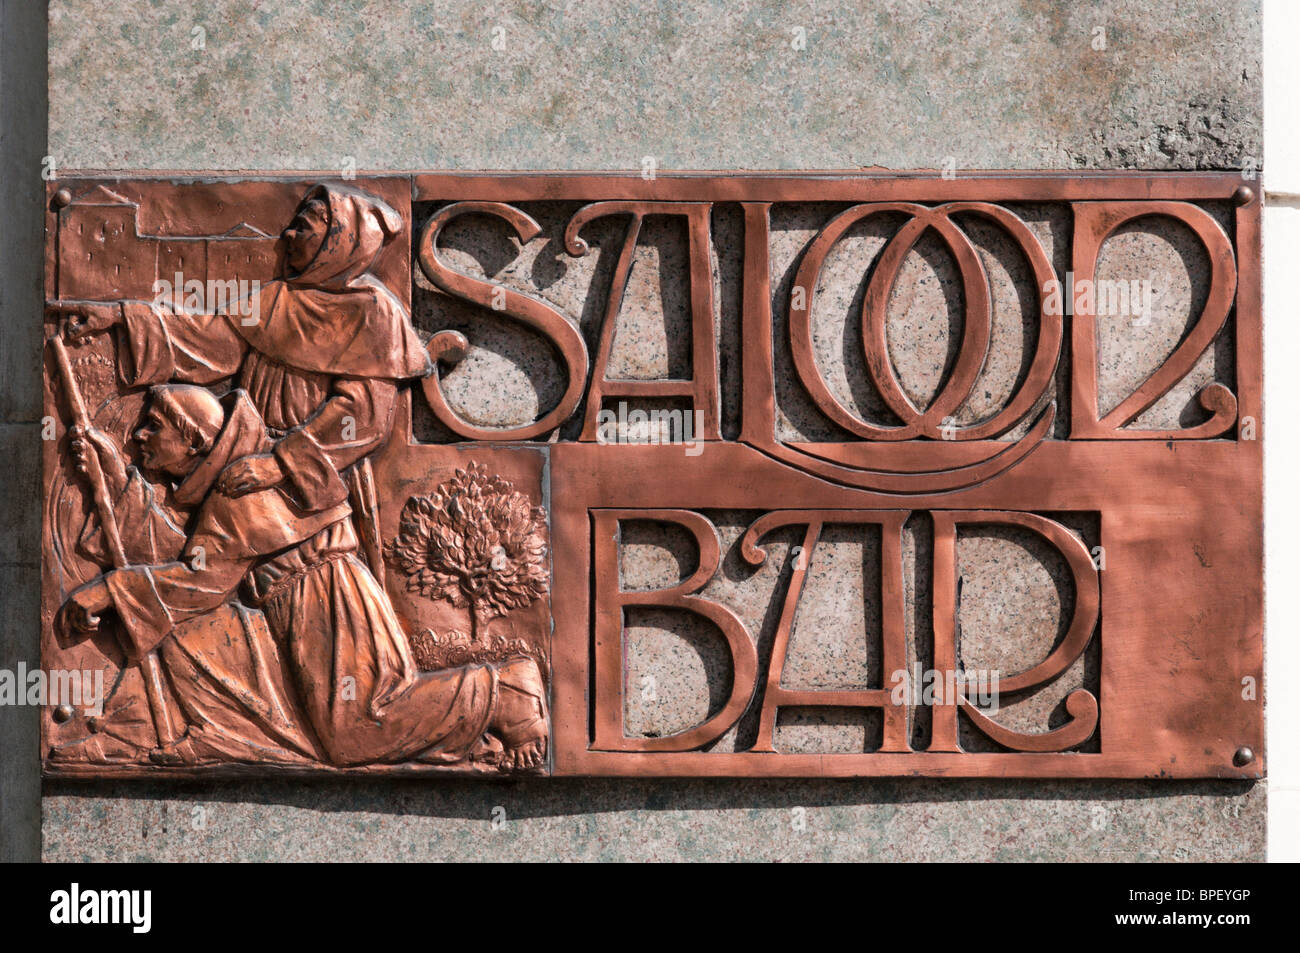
<point>565,797</point>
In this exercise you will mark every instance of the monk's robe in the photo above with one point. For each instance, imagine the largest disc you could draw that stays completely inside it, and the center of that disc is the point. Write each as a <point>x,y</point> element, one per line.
<point>348,656</point>
<point>321,357</point>
<point>222,666</point>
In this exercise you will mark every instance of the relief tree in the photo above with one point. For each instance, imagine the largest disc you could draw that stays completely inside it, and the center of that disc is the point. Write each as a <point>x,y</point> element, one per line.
<point>477,543</point>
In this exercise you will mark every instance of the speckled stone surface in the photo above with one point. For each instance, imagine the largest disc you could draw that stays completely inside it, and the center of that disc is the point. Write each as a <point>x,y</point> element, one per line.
<point>284,84</point>
<point>908,84</point>
<point>660,820</point>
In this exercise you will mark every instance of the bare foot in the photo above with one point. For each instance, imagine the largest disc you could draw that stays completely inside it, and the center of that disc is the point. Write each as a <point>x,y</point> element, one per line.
<point>487,750</point>
<point>529,755</point>
<point>520,717</point>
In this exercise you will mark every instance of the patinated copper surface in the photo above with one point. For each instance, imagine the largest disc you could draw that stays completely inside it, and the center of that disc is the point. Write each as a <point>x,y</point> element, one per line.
<point>280,575</point>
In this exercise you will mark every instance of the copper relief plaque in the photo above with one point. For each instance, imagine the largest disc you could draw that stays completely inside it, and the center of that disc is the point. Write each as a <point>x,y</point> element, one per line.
<point>695,475</point>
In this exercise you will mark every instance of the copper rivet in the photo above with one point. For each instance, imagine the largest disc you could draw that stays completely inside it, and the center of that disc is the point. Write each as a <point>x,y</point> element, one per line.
<point>1243,756</point>
<point>1244,195</point>
<point>62,198</point>
<point>63,713</point>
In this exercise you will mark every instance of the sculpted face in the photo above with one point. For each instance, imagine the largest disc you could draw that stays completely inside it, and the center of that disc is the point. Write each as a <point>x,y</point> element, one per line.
<point>303,236</point>
<point>163,446</point>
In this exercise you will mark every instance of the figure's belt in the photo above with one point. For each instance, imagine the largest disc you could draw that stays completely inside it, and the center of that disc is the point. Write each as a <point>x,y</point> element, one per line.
<point>334,542</point>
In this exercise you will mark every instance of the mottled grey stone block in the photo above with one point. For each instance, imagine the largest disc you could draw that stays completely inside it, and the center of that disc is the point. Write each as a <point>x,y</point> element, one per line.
<point>1017,84</point>
<point>567,819</point>
<point>1003,84</point>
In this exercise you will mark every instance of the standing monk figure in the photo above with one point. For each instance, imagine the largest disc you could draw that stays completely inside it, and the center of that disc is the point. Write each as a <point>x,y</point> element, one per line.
<point>321,352</point>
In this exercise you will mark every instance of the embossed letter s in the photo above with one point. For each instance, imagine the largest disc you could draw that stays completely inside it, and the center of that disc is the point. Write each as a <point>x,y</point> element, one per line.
<point>451,345</point>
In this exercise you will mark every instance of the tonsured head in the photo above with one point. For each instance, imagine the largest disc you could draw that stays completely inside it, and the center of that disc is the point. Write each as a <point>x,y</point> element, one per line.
<point>181,423</point>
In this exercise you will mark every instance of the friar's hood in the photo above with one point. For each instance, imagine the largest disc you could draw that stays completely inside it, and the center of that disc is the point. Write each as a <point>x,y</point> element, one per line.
<point>243,433</point>
<point>335,317</point>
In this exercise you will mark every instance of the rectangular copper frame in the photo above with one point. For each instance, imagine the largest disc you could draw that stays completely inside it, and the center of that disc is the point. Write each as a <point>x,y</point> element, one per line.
<point>1181,519</point>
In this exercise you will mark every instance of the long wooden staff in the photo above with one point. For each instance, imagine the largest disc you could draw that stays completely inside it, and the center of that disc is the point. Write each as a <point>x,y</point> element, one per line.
<point>149,667</point>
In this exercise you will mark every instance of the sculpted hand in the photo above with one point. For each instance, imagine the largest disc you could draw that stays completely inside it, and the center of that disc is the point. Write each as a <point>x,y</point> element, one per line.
<point>79,319</point>
<point>258,472</point>
<point>81,613</point>
<point>88,441</point>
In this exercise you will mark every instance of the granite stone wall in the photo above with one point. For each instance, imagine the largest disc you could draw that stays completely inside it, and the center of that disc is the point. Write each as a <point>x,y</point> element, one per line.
<point>1006,84</point>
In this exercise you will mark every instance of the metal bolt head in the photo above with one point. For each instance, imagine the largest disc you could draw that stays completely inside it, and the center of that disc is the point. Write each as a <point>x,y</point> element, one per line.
<point>62,198</point>
<point>63,713</point>
<point>1243,756</point>
<point>1243,195</point>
